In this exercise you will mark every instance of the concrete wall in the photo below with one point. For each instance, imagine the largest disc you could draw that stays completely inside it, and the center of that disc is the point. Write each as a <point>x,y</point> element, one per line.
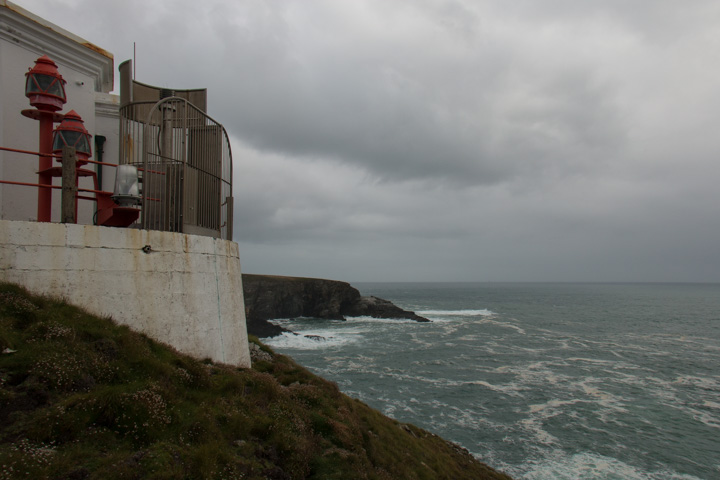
<point>186,291</point>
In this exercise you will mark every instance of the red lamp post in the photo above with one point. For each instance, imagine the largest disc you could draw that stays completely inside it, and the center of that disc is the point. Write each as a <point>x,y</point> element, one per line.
<point>45,89</point>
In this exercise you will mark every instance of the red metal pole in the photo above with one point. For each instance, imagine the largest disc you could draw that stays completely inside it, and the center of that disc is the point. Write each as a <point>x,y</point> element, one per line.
<point>44,210</point>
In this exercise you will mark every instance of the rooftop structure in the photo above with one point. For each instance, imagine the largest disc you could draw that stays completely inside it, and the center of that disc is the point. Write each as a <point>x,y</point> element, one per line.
<point>181,155</point>
<point>184,157</point>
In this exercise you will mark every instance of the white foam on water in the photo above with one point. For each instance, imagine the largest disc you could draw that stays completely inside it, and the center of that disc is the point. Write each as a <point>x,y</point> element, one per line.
<point>551,406</point>
<point>457,313</point>
<point>534,426</point>
<point>543,372</point>
<point>414,378</point>
<point>304,326</point>
<point>420,340</point>
<point>705,417</point>
<point>366,319</point>
<point>561,466</point>
<point>510,325</point>
<point>602,397</point>
<point>310,340</point>
<point>597,361</point>
<point>490,320</point>
<point>701,382</point>
<point>511,389</point>
<point>434,362</point>
<point>541,412</point>
<point>471,338</point>
<point>468,420</point>
<point>610,404</point>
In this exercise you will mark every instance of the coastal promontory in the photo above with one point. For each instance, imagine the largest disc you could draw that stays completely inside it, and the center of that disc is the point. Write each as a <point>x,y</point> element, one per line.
<point>269,297</point>
<point>84,398</point>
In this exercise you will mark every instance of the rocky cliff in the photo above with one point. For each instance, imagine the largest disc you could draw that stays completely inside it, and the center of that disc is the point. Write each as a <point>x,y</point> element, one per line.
<point>268,297</point>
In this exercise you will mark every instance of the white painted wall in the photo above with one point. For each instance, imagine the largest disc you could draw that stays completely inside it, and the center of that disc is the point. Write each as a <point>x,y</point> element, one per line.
<point>187,291</point>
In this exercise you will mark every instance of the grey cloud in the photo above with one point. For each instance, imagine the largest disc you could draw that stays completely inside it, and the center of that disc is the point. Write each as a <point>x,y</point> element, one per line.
<point>450,139</point>
<point>433,94</point>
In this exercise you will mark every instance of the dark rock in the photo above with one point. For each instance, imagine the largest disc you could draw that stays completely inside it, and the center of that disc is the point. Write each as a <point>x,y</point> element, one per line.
<point>314,337</point>
<point>380,308</point>
<point>257,354</point>
<point>268,297</point>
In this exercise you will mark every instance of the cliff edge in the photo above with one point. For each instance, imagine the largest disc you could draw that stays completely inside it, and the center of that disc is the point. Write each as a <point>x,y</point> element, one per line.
<point>268,297</point>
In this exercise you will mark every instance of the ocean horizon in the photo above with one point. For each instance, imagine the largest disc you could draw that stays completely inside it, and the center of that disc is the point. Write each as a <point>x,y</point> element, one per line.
<point>543,380</point>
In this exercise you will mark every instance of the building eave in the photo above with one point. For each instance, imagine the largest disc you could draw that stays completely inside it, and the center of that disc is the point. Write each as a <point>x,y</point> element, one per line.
<point>34,33</point>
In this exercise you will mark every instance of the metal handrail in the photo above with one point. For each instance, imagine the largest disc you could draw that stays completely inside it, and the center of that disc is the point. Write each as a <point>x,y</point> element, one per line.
<point>30,152</point>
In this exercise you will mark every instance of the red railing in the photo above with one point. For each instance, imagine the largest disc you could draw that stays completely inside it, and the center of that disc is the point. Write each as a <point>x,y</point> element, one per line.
<point>108,213</point>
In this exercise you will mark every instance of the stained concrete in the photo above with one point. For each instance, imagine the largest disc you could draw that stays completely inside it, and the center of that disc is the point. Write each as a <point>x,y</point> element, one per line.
<point>184,290</point>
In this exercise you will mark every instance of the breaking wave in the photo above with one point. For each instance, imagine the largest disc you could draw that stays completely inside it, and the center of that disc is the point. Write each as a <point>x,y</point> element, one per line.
<point>457,313</point>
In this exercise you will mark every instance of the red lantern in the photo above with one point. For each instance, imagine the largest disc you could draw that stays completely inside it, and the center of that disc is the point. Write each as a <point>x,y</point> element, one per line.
<point>44,85</point>
<point>72,133</point>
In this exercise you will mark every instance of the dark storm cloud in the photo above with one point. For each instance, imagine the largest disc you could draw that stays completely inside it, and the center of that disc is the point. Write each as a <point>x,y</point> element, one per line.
<point>405,90</point>
<point>439,106</point>
<point>450,140</point>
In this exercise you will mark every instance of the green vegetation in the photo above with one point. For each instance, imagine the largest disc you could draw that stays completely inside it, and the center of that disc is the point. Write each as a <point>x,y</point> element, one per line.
<point>81,397</point>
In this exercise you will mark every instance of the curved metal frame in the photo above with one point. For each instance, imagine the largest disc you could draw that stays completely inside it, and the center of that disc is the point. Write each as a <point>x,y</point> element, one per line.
<point>187,169</point>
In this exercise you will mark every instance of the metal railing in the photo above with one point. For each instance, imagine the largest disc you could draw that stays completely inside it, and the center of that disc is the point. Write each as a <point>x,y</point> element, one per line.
<point>69,173</point>
<point>185,165</point>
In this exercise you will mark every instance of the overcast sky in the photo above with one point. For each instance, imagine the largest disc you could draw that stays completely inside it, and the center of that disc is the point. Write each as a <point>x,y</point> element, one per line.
<point>466,140</point>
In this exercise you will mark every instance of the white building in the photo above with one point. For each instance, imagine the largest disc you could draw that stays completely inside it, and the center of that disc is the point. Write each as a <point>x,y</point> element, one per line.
<point>88,71</point>
<point>175,275</point>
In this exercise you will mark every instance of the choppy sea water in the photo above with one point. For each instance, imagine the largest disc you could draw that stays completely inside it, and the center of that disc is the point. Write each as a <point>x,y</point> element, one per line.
<point>542,381</point>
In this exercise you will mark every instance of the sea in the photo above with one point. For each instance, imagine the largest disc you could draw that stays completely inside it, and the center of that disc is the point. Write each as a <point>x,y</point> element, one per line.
<point>542,381</point>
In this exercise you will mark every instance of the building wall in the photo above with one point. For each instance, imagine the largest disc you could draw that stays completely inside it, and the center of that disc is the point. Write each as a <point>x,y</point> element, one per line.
<point>107,122</point>
<point>185,291</point>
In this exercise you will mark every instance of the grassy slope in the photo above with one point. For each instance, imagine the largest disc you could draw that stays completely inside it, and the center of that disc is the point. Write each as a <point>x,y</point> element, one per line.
<point>81,397</point>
